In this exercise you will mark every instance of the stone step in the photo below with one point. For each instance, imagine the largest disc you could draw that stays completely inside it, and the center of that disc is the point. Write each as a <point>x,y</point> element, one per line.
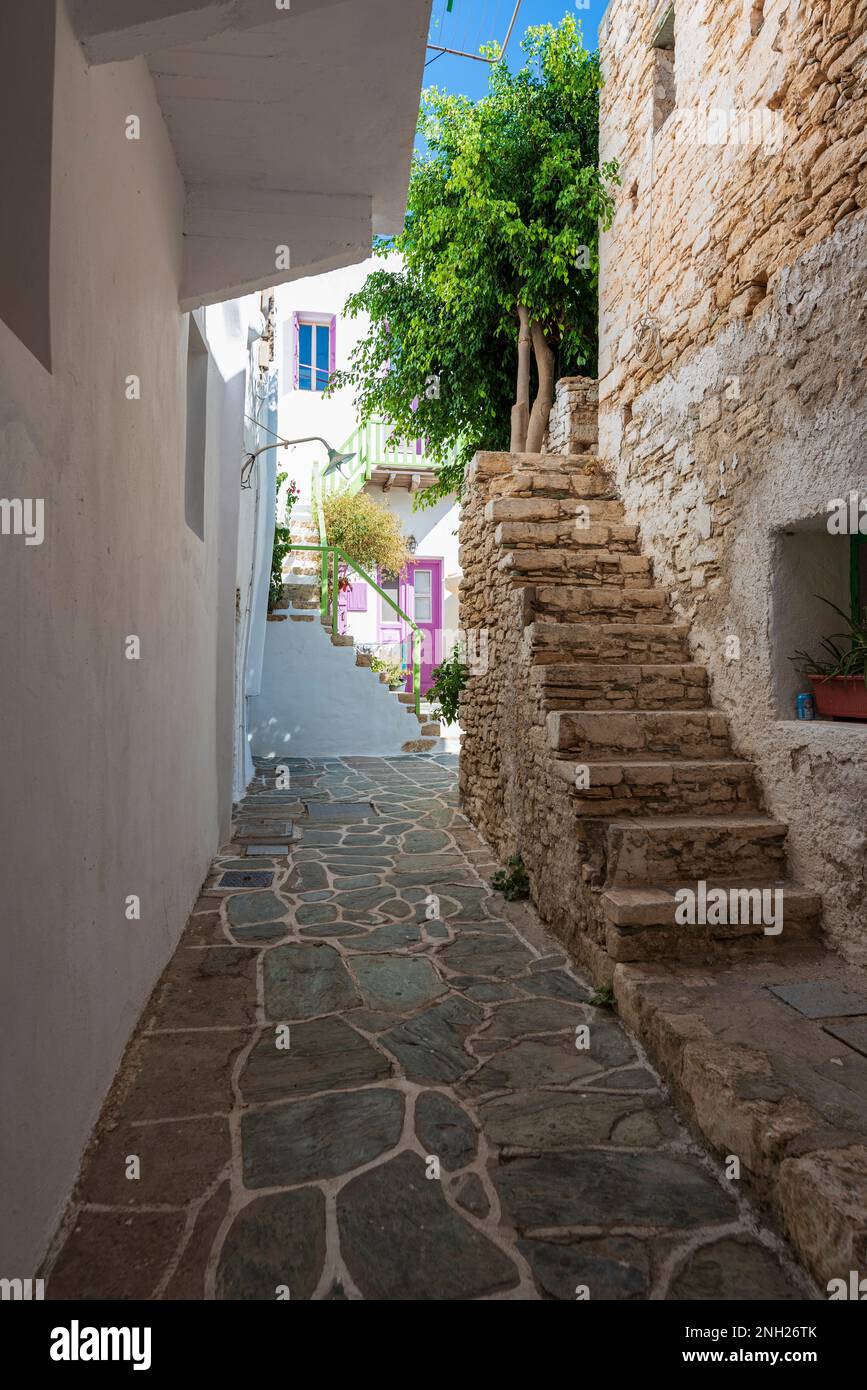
<point>297,574</point>
<point>574,534</point>
<point>551,642</point>
<point>598,734</point>
<point>491,463</point>
<point>544,476</point>
<point>422,745</point>
<point>592,685</point>
<point>343,639</point>
<point>547,510</point>
<point>581,487</point>
<point>406,697</point>
<point>602,603</point>
<point>655,906</point>
<point>363,658</point>
<point>640,923</point>
<point>680,850</point>
<point>675,786</point>
<point>582,565</point>
<point>300,596</point>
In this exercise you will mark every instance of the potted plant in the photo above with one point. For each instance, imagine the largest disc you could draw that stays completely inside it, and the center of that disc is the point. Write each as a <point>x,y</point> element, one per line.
<point>840,680</point>
<point>391,668</point>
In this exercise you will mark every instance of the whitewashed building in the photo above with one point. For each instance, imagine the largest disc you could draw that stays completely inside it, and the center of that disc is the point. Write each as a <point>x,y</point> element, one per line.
<point>161,163</point>
<point>315,337</point>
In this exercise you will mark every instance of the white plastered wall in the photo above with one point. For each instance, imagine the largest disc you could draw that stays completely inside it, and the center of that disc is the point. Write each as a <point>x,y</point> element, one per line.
<point>117,773</point>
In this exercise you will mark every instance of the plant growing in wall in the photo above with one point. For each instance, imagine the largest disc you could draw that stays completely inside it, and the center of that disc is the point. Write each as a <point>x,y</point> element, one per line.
<point>513,882</point>
<point>500,263</point>
<point>448,680</point>
<point>839,679</point>
<point>282,542</point>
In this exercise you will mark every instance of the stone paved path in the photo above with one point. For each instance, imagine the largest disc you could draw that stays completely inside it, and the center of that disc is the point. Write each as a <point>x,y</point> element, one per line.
<point>321,1046</point>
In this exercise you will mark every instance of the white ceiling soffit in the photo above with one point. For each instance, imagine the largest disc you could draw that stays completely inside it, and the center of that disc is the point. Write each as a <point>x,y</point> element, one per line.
<point>291,127</point>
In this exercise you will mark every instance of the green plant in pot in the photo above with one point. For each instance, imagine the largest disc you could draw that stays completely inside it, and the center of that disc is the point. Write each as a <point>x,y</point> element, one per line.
<point>839,678</point>
<point>392,668</point>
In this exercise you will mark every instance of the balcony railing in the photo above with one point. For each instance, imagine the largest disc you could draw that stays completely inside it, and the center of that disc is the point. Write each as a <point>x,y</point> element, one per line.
<point>376,444</point>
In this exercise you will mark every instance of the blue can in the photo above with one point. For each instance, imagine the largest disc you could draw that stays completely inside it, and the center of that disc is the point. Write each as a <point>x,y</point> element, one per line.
<point>806,707</point>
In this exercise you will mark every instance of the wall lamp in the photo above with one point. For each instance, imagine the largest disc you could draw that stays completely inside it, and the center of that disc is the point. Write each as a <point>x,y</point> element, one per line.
<point>335,458</point>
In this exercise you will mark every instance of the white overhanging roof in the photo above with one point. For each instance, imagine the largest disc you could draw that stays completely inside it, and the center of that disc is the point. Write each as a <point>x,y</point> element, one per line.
<point>291,127</point>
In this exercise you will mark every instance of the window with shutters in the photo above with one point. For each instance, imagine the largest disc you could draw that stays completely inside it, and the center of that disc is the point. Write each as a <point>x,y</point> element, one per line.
<point>314,340</point>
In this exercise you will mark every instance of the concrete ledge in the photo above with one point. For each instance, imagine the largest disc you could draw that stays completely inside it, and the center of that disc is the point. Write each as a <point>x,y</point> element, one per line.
<point>762,1082</point>
<point>828,733</point>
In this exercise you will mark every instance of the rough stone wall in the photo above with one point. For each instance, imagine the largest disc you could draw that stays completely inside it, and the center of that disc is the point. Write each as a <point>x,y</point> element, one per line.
<point>496,717</point>
<point>506,784</point>
<point>573,422</point>
<point>760,160</point>
<point>752,416</point>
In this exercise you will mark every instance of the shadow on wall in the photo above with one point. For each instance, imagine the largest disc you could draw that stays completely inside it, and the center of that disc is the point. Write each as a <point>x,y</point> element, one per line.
<point>808,565</point>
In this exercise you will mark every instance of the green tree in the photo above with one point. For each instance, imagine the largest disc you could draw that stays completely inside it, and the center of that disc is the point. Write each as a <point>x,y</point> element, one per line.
<point>500,260</point>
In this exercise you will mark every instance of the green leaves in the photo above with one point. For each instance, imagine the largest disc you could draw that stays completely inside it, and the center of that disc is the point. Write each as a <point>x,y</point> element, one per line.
<point>449,679</point>
<point>369,534</point>
<point>505,193</point>
<point>514,882</point>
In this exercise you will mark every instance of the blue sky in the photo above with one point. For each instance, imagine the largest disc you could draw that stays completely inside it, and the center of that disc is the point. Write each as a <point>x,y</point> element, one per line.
<point>472,22</point>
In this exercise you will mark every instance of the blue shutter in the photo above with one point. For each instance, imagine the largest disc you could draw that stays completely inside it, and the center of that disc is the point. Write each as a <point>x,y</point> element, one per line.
<point>305,357</point>
<point>323,356</point>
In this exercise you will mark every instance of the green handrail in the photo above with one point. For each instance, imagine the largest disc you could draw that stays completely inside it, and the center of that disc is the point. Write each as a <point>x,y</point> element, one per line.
<point>323,539</point>
<point>332,555</point>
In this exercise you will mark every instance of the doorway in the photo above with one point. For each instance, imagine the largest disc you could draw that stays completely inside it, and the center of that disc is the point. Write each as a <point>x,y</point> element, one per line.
<point>419,592</point>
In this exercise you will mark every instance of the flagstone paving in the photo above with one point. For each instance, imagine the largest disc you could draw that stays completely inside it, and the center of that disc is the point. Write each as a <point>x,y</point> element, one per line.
<point>373,1078</point>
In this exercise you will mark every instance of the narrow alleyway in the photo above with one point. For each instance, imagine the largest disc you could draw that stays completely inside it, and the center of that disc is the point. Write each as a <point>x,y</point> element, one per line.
<point>363,1074</point>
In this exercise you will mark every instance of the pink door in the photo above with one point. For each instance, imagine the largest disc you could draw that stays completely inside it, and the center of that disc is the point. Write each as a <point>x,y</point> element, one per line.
<point>422,598</point>
<point>420,594</point>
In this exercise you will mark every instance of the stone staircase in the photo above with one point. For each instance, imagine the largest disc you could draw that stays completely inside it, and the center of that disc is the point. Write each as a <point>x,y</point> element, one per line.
<point>300,603</point>
<point>620,783</point>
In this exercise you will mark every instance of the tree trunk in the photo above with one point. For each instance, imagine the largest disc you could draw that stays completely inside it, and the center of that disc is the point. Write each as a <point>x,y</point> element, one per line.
<point>521,408</point>
<point>545,395</point>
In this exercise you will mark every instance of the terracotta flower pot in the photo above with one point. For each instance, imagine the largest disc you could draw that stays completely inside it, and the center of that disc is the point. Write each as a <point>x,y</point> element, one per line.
<point>840,697</point>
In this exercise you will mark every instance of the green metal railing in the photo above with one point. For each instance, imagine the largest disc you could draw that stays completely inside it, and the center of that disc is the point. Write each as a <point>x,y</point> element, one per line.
<point>323,540</point>
<point>330,557</point>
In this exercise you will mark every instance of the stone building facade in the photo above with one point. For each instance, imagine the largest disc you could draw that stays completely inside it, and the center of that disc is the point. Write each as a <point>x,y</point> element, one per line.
<point>631,732</point>
<point>733,336</point>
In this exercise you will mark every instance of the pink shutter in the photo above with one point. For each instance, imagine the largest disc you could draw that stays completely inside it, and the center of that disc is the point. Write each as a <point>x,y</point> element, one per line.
<point>295,351</point>
<point>357,597</point>
<point>333,340</point>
